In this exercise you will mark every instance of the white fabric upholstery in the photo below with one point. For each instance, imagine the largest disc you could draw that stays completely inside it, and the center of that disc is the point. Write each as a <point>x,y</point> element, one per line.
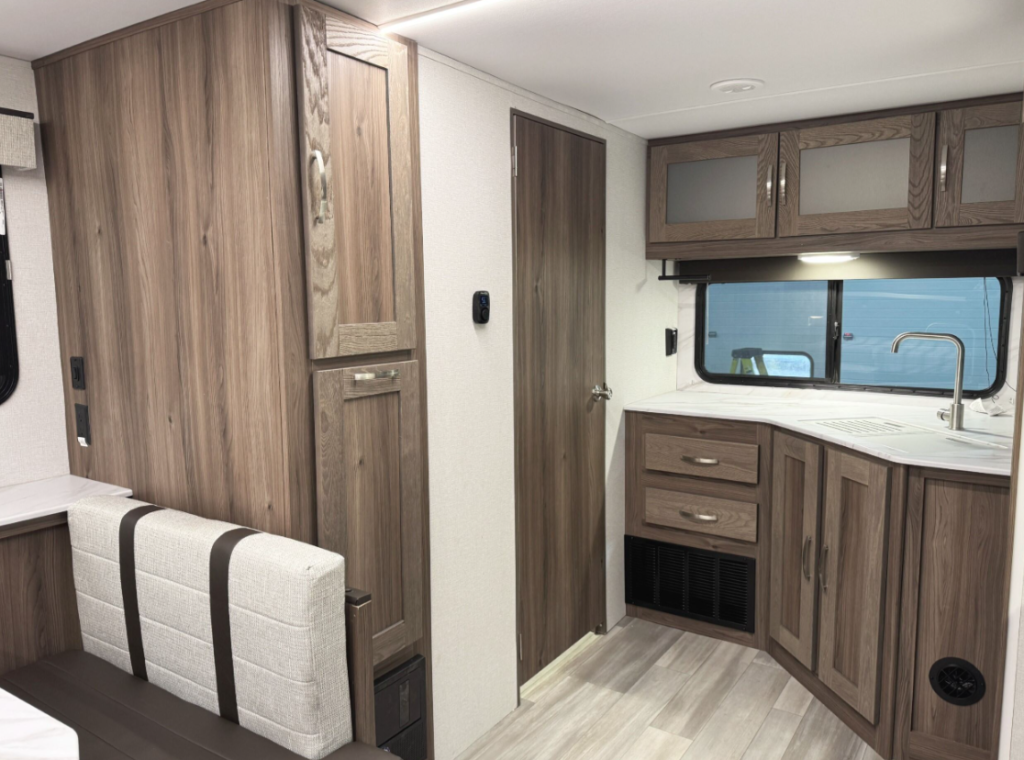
<point>287,610</point>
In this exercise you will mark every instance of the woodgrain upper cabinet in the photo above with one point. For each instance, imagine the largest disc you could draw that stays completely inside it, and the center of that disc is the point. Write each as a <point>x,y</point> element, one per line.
<point>713,190</point>
<point>980,174</point>
<point>357,195</point>
<point>864,176</point>
<point>369,490</point>
<point>953,628</point>
<point>795,509</point>
<point>851,578</point>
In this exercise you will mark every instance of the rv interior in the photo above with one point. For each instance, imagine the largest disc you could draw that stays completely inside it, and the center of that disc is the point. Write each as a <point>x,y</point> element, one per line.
<point>511,380</point>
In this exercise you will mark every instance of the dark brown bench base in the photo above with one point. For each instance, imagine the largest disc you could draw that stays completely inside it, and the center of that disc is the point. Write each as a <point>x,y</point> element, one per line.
<point>121,717</point>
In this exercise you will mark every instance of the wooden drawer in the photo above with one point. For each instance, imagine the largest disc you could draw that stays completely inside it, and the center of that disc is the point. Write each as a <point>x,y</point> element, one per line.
<point>699,457</point>
<point>701,514</point>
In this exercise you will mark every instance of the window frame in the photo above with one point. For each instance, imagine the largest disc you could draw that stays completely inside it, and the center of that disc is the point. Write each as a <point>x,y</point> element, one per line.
<point>8,329</point>
<point>834,350</point>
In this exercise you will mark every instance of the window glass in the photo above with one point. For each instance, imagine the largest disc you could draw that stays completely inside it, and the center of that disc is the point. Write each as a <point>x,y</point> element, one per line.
<point>876,311</point>
<point>775,329</point>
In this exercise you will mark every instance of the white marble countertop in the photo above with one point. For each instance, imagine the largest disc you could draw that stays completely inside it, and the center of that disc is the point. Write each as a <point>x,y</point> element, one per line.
<point>918,438</point>
<point>42,498</point>
<point>30,734</point>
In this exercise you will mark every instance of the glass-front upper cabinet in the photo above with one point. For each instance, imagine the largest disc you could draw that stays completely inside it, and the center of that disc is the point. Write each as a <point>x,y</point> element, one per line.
<point>714,189</point>
<point>980,175</point>
<point>863,176</point>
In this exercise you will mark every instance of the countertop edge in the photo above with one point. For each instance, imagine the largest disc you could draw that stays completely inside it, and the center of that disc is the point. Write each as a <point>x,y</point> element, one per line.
<point>26,502</point>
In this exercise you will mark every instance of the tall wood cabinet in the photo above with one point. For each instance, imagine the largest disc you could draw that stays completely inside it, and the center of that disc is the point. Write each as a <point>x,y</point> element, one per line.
<point>237,249</point>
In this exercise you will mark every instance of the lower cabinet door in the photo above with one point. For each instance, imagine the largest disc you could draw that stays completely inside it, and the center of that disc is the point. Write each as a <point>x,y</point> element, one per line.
<point>796,502</point>
<point>851,577</point>
<point>369,491</point>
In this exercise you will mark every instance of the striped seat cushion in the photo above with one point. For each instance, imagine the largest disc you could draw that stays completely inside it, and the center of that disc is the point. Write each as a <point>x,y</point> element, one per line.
<point>286,610</point>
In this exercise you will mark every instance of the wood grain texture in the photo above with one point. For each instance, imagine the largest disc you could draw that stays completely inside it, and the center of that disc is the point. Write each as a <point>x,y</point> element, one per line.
<point>852,574</point>
<point>38,610</point>
<point>795,507</point>
<point>681,455</point>
<point>559,252</point>
<point>953,126</point>
<point>955,587</point>
<point>369,492</point>
<point>764,146</point>
<point>359,644</point>
<point>701,514</point>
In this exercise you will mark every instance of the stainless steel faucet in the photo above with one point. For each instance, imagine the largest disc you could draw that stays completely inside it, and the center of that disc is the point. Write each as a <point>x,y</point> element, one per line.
<point>954,416</point>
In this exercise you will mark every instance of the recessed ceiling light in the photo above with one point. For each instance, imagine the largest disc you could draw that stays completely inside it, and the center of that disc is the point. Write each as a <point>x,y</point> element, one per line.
<point>737,86</point>
<point>828,258</point>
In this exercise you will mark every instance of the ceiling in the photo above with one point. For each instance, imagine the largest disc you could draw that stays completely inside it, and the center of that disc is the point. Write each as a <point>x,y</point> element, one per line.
<point>646,65</point>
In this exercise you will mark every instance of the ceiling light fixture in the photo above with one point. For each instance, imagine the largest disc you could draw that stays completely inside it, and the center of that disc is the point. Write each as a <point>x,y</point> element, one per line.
<point>390,26</point>
<point>737,86</point>
<point>828,258</point>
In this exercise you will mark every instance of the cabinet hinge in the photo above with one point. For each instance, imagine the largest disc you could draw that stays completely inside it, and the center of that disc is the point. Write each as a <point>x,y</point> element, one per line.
<point>520,647</point>
<point>10,274</point>
<point>515,160</point>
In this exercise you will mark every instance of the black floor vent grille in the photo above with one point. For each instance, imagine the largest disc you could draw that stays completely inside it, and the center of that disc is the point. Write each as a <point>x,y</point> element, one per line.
<point>694,583</point>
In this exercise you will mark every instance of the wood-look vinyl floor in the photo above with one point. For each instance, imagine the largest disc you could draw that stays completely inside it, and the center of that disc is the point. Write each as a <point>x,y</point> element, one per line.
<point>646,692</point>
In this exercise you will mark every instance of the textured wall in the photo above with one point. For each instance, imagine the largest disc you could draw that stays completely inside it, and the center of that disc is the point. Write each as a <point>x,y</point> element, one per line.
<point>32,442</point>
<point>467,223</point>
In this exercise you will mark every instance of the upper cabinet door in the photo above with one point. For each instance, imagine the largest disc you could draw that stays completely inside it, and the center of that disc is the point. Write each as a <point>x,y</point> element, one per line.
<point>713,190</point>
<point>865,176</point>
<point>980,176</point>
<point>851,576</point>
<point>353,95</point>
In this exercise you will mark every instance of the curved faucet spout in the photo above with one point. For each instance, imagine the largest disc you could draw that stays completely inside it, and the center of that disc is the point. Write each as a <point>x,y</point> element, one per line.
<point>955,415</point>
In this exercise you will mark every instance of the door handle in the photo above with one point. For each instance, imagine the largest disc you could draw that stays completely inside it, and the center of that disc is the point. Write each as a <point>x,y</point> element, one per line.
<point>601,392</point>
<point>771,171</point>
<point>782,182</point>
<point>943,168</point>
<point>823,575</point>
<point>805,557</point>
<point>318,158</point>
<point>389,374</point>
<point>705,461</point>
<point>698,517</point>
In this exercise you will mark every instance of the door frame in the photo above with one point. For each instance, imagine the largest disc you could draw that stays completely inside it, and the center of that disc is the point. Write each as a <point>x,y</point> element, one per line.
<point>601,627</point>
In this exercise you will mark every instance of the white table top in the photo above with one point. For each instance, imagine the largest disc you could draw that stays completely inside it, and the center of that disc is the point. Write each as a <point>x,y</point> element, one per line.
<point>984,446</point>
<point>30,734</point>
<point>42,498</point>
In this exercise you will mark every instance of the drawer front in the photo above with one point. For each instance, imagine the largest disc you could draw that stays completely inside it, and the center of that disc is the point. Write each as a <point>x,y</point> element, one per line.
<point>701,514</point>
<point>698,457</point>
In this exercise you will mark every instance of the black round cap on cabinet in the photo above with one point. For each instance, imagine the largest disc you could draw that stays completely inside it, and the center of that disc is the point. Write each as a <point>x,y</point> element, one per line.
<point>957,681</point>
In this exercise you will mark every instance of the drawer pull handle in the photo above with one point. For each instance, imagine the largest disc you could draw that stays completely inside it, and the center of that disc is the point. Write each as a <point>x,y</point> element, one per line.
<point>823,575</point>
<point>806,556</point>
<point>318,159</point>
<point>943,168</point>
<point>698,517</point>
<point>707,462</point>
<point>391,374</point>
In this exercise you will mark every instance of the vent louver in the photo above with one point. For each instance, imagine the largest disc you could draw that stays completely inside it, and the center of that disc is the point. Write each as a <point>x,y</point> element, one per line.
<point>718,588</point>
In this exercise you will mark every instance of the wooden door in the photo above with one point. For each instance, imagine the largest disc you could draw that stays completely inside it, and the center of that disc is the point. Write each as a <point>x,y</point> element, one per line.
<point>713,190</point>
<point>796,503</point>
<point>357,192</point>
<point>852,577</point>
<point>864,176</point>
<point>959,540</point>
<point>369,491</point>
<point>980,175</point>
<point>559,199</point>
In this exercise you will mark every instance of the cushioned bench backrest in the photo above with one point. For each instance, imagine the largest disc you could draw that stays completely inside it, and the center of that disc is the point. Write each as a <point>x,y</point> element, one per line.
<point>286,612</point>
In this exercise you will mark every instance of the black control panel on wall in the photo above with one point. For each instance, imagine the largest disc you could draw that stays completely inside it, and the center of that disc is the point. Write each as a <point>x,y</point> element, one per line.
<point>481,307</point>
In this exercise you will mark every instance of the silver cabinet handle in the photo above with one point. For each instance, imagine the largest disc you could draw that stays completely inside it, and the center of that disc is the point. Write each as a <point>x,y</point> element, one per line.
<point>823,575</point>
<point>782,182</point>
<point>318,157</point>
<point>705,461</point>
<point>771,171</point>
<point>698,517</point>
<point>805,557</point>
<point>601,392</point>
<point>943,168</point>
<point>389,374</point>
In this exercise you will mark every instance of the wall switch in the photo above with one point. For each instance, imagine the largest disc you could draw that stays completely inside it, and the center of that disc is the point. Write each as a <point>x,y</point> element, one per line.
<point>82,428</point>
<point>78,373</point>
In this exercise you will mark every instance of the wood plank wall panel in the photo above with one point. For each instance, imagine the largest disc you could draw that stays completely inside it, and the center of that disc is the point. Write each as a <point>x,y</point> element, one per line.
<point>164,253</point>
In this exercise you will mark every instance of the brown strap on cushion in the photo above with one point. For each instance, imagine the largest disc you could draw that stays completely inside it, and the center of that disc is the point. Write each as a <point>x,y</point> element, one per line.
<point>129,591</point>
<point>220,620</point>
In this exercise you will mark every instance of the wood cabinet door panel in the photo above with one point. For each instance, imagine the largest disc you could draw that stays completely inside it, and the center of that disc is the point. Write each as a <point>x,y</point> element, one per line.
<point>357,209</point>
<point>723,198</point>
<point>369,490</point>
<point>795,507</point>
<point>850,189</point>
<point>852,577</point>
<point>980,166</point>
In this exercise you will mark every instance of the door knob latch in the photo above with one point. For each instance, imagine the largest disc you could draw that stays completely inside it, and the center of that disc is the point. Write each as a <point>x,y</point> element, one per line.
<point>601,392</point>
